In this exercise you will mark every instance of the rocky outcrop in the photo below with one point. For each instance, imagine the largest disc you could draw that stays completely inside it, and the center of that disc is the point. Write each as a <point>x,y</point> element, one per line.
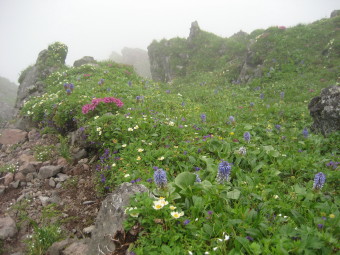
<point>110,218</point>
<point>138,58</point>
<point>335,13</point>
<point>325,111</point>
<point>31,79</point>
<point>84,60</point>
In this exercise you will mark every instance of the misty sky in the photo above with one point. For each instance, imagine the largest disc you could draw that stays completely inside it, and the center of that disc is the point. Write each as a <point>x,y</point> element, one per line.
<point>98,27</point>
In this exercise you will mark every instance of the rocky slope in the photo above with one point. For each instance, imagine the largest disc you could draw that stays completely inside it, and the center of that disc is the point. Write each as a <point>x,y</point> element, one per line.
<point>243,57</point>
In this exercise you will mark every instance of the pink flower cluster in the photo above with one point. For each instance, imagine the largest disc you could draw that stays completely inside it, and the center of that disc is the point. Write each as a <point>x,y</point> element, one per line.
<point>90,107</point>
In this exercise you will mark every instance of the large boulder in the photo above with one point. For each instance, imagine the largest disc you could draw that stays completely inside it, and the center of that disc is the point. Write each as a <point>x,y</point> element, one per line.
<point>31,79</point>
<point>325,111</point>
<point>84,60</point>
<point>110,218</point>
<point>12,136</point>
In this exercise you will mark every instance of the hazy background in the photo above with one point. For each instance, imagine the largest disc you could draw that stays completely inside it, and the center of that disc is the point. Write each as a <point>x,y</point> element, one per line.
<point>98,27</point>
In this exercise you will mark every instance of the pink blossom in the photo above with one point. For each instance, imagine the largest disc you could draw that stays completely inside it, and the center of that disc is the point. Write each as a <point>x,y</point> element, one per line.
<point>90,107</point>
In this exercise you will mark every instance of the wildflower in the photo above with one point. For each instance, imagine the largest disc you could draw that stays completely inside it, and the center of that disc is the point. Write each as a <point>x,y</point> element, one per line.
<point>332,216</point>
<point>282,95</point>
<point>320,226</point>
<point>177,215</point>
<point>251,104</point>
<point>96,117</point>
<point>140,150</point>
<point>127,175</point>
<point>203,117</point>
<point>190,253</point>
<point>231,133</point>
<point>305,132</point>
<point>232,118</point>
<point>124,145</point>
<point>130,129</point>
<point>133,214</point>
<point>114,164</point>
<point>319,180</point>
<point>160,178</point>
<point>139,158</point>
<point>157,205</point>
<point>198,179</point>
<point>186,222</point>
<point>250,238</point>
<point>171,123</point>
<point>278,127</point>
<point>276,196</point>
<point>224,169</point>
<point>161,158</point>
<point>226,237</point>
<point>242,151</point>
<point>262,96</point>
<point>136,127</point>
<point>247,136</point>
<point>172,207</point>
<point>215,248</point>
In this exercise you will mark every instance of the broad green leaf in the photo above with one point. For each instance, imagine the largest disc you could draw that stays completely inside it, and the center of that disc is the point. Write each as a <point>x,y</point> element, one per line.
<point>185,179</point>
<point>234,194</point>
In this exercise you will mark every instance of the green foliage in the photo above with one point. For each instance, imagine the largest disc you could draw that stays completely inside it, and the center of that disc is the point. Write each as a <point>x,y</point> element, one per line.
<point>44,152</point>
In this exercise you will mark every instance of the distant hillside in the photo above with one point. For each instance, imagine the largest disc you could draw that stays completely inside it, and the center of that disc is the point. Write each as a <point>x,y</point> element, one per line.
<point>263,53</point>
<point>8,91</point>
<point>138,58</point>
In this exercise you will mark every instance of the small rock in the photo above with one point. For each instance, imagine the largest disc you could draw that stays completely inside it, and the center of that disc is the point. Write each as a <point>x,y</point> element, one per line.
<point>26,168</point>
<point>86,167</point>
<point>51,182</point>
<point>2,190</point>
<point>44,200</point>
<point>46,172</point>
<point>62,162</point>
<point>9,177</point>
<point>19,176</point>
<point>80,154</point>
<point>61,177</point>
<point>83,161</point>
<point>89,229</point>
<point>59,185</point>
<point>29,177</point>
<point>88,202</point>
<point>8,228</point>
<point>15,184</point>
<point>26,158</point>
<point>56,248</point>
<point>23,184</point>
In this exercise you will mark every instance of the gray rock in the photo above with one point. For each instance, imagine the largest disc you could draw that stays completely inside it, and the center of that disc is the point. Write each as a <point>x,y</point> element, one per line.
<point>80,154</point>
<point>27,167</point>
<point>51,182</point>
<point>84,60</point>
<point>61,177</point>
<point>76,248</point>
<point>335,13</point>
<point>46,172</point>
<point>29,177</point>
<point>12,136</point>
<point>9,177</point>
<point>325,111</point>
<point>44,200</point>
<point>89,229</point>
<point>58,247</point>
<point>8,228</point>
<point>2,189</point>
<point>110,218</point>
<point>15,184</point>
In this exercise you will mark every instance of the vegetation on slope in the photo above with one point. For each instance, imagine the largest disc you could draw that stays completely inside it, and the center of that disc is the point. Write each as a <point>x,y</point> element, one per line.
<point>234,168</point>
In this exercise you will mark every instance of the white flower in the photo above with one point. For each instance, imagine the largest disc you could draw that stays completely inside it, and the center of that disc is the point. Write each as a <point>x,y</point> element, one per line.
<point>177,215</point>
<point>172,207</point>
<point>276,196</point>
<point>126,176</point>
<point>130,129</point>
<point>136,127</point>
<point>215,248</point>
<point>158,205</point>
<point>190,253</point>
<point>96,117</point>
<point>114,164</point>
<point>140,150</point>
<point>124,145</point>
<point>171,123</point>
<point>161,158</point>
<point>99,129</point>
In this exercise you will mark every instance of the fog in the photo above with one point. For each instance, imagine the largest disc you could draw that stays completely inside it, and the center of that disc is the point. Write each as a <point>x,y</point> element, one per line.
<point>98,27</point>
